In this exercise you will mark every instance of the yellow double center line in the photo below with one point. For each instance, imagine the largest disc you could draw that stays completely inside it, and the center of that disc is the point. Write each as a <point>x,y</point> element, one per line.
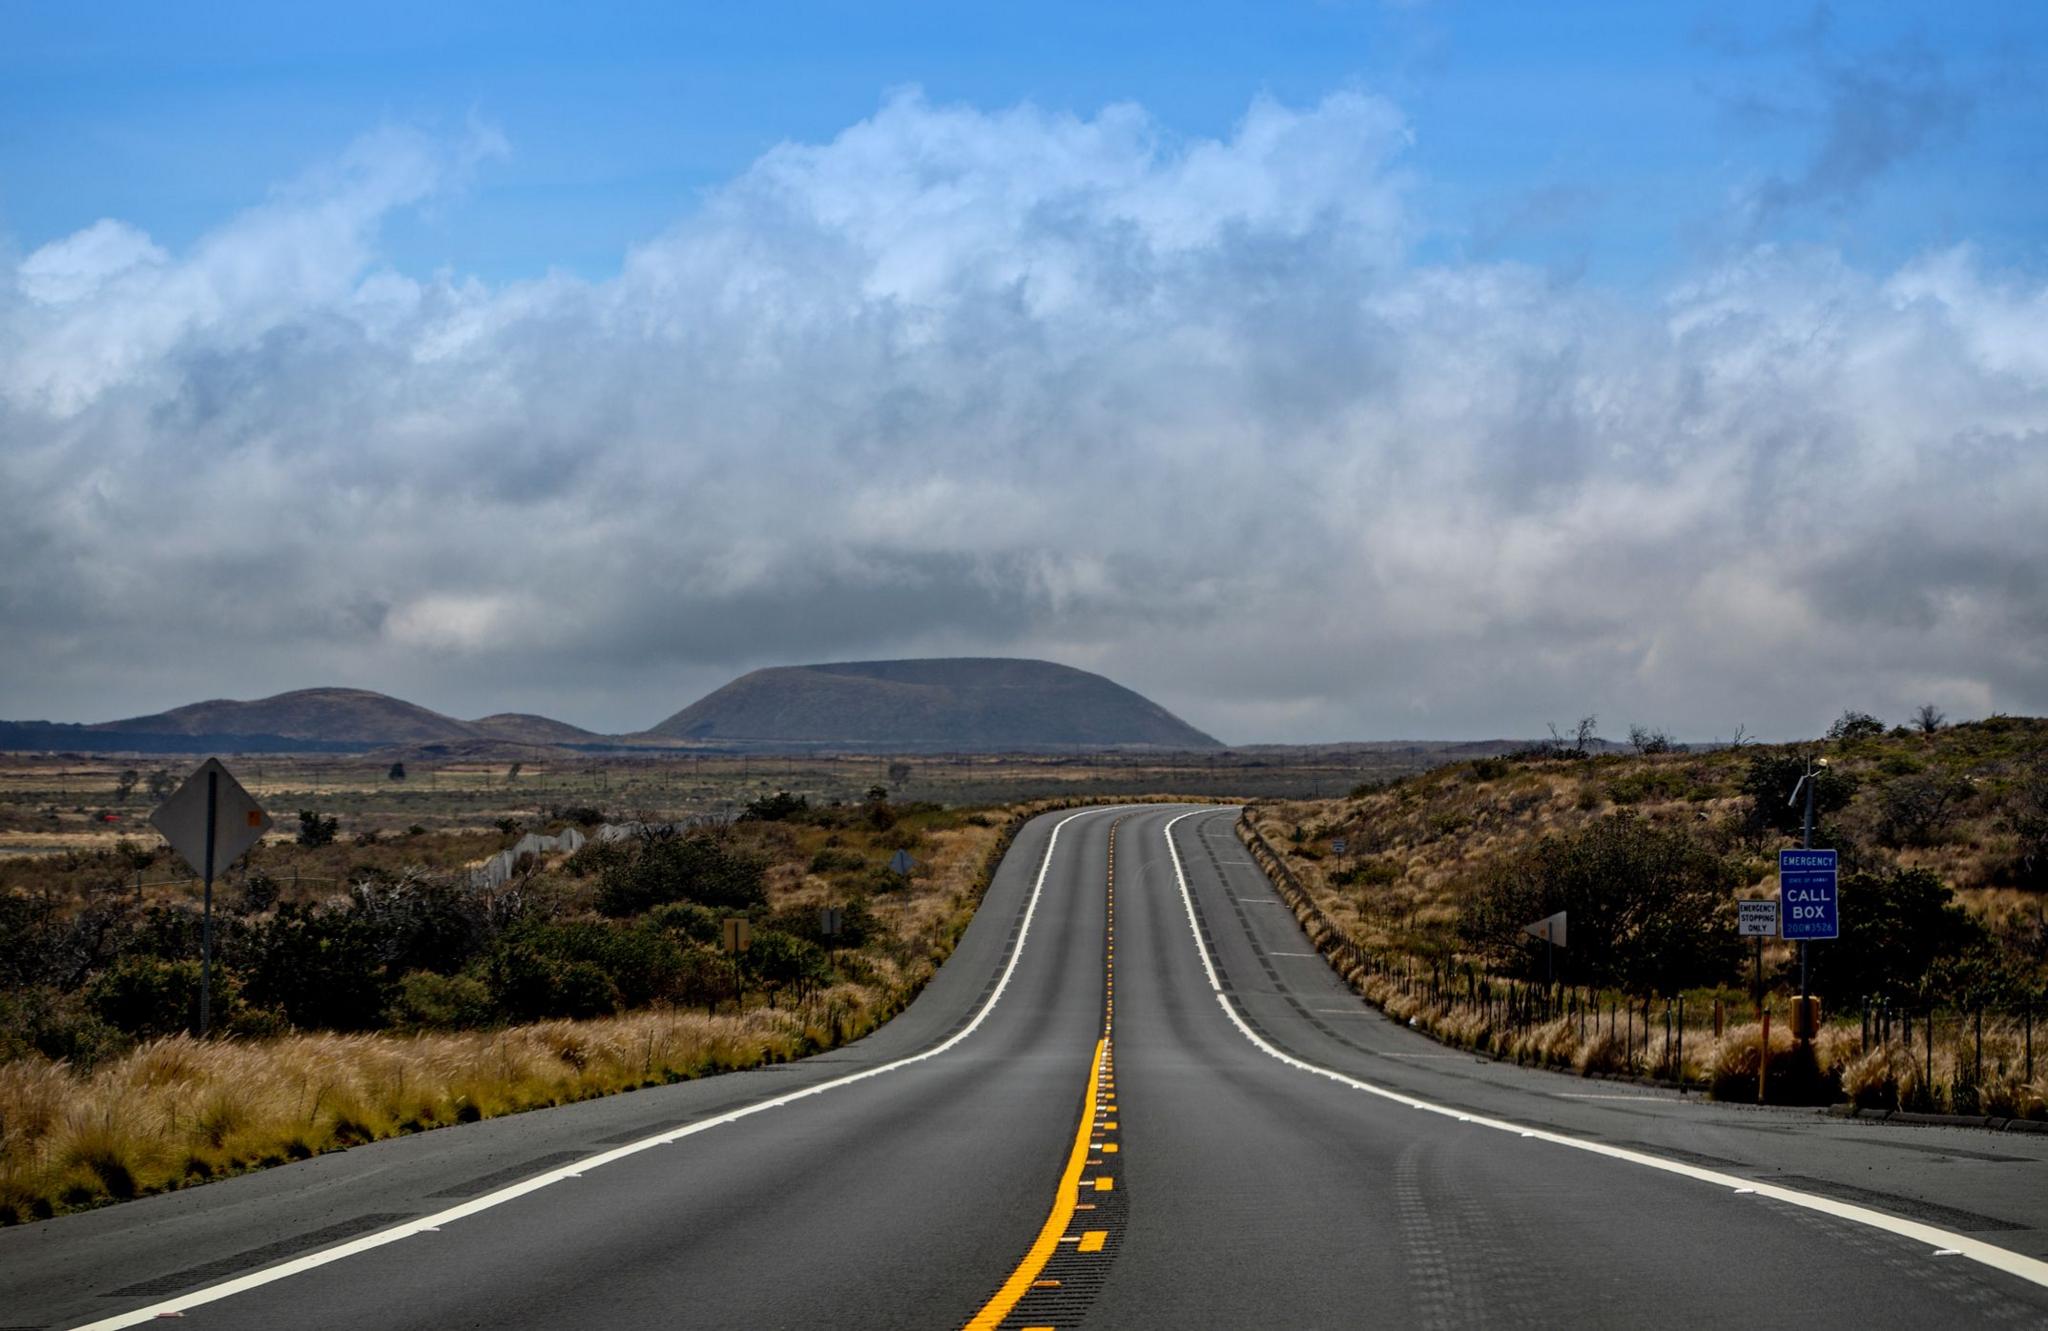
<point>1097,1132</point>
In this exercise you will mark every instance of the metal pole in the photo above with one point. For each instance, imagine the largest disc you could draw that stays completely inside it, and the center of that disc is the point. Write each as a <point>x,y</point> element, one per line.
<point>206,910</point>
<point>1806,843</point>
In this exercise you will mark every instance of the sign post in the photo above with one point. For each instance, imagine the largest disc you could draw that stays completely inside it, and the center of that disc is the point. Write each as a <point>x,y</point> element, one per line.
<point>1806,887</point>
<point>210,821</point>
<point>1758,920</point>
<point>739,935</point>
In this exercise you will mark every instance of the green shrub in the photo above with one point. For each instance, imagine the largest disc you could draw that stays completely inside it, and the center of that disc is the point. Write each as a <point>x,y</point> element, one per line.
<point>316,830</point>
<point>1645,907</point>
<point>777,808</point>
<point>148,997</point>
<point>687,920</point>
<point>833,859</point>
<point>424,1000</point>
<point>663,866</point>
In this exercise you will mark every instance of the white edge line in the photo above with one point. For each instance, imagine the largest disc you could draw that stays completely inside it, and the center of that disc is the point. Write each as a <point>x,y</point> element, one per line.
<point>300,1265</point>
<point>1942,1241</point>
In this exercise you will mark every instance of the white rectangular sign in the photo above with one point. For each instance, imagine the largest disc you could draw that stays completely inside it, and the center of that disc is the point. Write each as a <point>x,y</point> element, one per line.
<point>1756,919</point>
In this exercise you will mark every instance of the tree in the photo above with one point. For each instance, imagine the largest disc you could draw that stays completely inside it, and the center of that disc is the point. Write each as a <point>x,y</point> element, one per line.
<point>1853,725</point>
<point>161,784</point>
<point>1648,741</point>
<point>777,808</point>
<point>397,772</point>
<point>664,866</point>
<point>512,772</point>
<point>1898,925</point>
<point>776,961</point>
<point>1916,810</point>
<point>2026,819</point>
<point>1645,906</point>
<point>1929,718</point>
<point>899,774</point>
<point>1770,780</point>
<point>124,784</point>
<point>316,830</point>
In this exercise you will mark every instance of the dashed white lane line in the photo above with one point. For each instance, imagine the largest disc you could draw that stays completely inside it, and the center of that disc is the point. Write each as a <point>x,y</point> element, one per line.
<point>176,1307</point>
<point>1943,1242</point>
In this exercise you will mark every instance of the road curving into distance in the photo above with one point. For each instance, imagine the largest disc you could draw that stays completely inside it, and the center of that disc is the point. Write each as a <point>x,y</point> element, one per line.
<point>1171,1114</point>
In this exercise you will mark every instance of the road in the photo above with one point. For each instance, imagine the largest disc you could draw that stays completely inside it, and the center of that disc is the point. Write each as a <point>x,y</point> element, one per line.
<point>1174,1084</point>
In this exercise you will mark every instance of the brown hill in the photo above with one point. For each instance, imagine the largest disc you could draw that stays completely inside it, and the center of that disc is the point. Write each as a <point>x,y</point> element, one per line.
<point>327,715</point>
<point>968,704</point>
<point>526,728</point>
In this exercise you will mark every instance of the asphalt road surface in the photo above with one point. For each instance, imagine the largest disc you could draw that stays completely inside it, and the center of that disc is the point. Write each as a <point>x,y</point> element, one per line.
<point>1168,1113</point>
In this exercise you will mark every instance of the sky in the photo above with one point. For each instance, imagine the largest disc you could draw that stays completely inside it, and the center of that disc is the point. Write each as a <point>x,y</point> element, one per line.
<point>1324,371</point>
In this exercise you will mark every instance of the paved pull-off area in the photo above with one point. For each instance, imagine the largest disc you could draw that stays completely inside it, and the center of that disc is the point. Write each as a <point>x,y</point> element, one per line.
<point>1134,1097</point>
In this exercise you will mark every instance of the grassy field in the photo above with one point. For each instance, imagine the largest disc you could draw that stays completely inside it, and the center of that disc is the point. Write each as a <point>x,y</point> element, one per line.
<point>1423,857</point>
<point>53,803</point>
<point>159,1113</point>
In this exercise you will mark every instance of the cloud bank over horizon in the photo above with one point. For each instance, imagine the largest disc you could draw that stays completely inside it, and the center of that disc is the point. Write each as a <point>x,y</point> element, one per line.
<point>1191,412</point>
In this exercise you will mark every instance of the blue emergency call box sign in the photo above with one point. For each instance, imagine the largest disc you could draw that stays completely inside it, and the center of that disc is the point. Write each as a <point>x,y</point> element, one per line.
<point>1806,895</point>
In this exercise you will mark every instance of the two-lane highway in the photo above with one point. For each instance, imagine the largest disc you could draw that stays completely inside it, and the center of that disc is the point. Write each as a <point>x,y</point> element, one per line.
<point>1250,1146</point>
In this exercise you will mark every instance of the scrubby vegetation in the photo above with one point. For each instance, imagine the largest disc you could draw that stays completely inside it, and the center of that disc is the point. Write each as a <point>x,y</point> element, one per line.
<point>1942,833</point>
<point>395,994</point>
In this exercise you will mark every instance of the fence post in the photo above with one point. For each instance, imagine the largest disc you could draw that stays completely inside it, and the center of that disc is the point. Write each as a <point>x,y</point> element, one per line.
<point>1678,1058</point>
<point>1929,1034</point>
<point>1763,1060</point>
<point>1977,1074</point>
<point>2030,1039</point>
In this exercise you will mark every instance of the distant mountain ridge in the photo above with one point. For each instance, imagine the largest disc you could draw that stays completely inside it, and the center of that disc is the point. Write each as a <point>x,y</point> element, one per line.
<point>329,714</point>
<point>966,704</point>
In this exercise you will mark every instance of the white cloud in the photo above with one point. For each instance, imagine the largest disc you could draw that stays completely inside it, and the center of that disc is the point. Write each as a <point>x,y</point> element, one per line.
<point>1185,411</point>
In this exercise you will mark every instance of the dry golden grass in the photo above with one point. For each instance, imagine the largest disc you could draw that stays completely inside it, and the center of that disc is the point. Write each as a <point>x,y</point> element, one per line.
<point>179,1110</point>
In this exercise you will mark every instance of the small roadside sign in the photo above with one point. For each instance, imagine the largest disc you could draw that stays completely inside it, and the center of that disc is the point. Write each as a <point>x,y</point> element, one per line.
<point>210,821</point>
<point>831,921</point>
<point>739,933</point>
<point>1550,929</point>
<point>901,862</point>
<point>238,820</point>
<point>1339,845</point>
<point>1806,886</point>
<point>1756,919</point>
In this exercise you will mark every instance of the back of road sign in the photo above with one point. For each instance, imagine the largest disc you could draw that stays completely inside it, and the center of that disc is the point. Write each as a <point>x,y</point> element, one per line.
<point>1551,929</point>
<point>1806,892</point>
<point>238,821</point>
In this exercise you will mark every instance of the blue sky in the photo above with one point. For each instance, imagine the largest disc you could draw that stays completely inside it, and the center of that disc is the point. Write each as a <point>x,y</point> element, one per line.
<point>1325,371</point>
<point>1605,138</point>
